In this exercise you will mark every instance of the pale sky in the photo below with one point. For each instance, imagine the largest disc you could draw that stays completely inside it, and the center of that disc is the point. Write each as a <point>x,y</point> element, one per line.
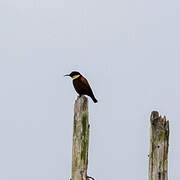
<point>129,52</point>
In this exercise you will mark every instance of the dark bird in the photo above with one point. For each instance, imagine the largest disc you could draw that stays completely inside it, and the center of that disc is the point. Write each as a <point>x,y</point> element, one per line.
<point>81,85</point>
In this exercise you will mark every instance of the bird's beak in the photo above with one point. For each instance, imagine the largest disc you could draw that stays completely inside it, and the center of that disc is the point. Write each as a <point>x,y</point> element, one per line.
<point>66,75</point>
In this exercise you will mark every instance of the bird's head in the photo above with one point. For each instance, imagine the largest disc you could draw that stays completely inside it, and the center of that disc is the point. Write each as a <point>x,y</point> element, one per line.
<point>74,75</point>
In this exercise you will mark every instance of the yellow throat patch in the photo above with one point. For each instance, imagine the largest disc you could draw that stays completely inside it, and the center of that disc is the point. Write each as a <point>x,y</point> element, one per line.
<point>75,77</point>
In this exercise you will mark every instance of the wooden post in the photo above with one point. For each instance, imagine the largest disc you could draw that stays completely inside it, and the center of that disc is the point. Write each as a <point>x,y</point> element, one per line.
<point>80,139</point>
<point>159,142</point>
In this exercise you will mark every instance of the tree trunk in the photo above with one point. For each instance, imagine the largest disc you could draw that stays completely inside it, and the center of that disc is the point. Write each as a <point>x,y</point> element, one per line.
<point>80,139</point>
<point>159,142</point>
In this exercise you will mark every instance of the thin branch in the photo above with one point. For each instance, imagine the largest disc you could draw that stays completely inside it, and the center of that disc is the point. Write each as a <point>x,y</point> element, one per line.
<point>90,177</point>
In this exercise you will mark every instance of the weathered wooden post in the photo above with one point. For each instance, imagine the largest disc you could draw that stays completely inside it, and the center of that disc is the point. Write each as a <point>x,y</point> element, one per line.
<point>80,139</point>
<point>159,142</point>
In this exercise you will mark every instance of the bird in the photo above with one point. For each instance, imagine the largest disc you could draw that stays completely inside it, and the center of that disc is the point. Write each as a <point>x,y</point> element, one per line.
<point>81,85</point>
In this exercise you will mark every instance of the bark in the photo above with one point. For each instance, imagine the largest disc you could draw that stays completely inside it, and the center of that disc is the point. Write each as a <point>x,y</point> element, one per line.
<point>159,143</point>
<point>80,139</point>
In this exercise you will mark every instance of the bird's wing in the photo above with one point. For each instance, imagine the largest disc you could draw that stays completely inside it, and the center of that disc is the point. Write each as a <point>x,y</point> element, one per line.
<point>86,85</point>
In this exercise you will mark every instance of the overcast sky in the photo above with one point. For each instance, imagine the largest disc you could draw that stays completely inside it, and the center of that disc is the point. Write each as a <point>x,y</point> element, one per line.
<point>128,50</point>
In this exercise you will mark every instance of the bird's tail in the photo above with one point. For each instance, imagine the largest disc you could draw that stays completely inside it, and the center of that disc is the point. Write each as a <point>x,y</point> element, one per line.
<point>94,99</point>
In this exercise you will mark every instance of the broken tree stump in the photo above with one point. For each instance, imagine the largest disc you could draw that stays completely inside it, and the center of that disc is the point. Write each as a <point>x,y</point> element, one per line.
<point>80,139</point>
<point>159,143</point>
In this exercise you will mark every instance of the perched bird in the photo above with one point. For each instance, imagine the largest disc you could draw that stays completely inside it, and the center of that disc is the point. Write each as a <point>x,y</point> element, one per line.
<point>81,85</point>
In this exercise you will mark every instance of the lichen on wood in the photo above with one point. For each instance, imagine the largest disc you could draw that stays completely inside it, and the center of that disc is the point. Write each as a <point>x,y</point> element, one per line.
<point>80,139</point>
<point>159,143</point>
